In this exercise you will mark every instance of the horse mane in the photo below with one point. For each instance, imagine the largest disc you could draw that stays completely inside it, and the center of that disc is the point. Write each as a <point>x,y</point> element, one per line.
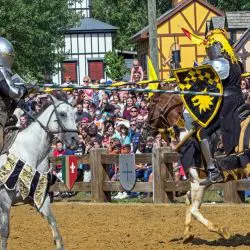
<point>59,95</point>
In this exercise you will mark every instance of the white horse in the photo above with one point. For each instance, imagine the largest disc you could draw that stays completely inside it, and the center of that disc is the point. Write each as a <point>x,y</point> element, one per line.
<point>32,145</point>
<point>194,200</point>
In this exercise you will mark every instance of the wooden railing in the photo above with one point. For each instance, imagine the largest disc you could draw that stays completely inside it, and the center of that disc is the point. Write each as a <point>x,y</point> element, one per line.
<point>162,187</point>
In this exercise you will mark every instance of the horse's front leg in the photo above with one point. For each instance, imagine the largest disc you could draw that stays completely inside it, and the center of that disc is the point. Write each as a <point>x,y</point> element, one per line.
<point>46,212</point>
<point>5,205</point>
<point>197,194</point>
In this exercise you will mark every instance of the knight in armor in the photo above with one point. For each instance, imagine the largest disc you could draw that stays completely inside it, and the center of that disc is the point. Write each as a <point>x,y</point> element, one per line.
<point>221,57</point>
<point>10,92</point>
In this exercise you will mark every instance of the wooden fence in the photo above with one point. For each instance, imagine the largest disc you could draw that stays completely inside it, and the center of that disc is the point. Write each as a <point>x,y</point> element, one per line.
<point>162,187</point>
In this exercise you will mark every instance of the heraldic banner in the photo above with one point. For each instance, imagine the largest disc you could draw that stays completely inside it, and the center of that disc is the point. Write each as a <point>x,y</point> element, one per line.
<point>69,170</point>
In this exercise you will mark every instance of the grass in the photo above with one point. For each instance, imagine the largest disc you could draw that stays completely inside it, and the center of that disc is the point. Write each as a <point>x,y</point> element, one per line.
<point>210,196</point>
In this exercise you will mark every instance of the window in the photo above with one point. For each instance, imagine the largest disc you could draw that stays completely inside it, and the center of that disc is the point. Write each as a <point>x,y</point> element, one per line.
<point>69,70</point>
<point>96,70</point>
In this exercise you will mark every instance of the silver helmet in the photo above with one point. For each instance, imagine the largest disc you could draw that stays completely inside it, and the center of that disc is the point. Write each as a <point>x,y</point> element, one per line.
<point>6,53</point>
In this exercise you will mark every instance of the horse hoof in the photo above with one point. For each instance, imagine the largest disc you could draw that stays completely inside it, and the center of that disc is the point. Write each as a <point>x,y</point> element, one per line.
<point>60,248</point>
<point>188,238</point>
<point>224,232</point>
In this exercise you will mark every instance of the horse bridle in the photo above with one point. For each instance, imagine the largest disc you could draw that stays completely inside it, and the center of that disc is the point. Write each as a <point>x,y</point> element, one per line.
<point>61,127</point>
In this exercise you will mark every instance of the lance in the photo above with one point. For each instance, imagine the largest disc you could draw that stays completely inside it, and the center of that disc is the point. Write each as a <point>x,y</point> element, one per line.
<point>96,87</point>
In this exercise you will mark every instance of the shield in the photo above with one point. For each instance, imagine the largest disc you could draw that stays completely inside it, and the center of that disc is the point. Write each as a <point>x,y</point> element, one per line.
<point>202,108</point>
<point>127,171</point>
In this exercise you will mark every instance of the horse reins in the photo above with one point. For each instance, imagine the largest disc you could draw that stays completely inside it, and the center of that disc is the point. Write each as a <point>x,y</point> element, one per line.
<point>60,124</point>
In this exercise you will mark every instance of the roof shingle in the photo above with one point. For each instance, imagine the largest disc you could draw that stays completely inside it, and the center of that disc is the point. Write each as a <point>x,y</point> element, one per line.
<point>91,25</point>
<point>238,19</point>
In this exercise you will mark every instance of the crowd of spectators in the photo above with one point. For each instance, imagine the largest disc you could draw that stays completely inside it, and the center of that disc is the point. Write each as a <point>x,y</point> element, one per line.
<point>116,120</point>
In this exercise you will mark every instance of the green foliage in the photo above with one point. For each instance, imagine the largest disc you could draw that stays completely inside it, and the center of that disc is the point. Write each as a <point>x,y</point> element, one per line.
<point>129,16</point>
<point>231,5</point>
<point>115,67</point>
<point>36,29</point>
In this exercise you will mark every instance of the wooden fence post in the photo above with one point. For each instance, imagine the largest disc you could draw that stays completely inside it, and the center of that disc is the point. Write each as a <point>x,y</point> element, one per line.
<point>97,175</point>
<point>161,173</point>
<point>231,195</point>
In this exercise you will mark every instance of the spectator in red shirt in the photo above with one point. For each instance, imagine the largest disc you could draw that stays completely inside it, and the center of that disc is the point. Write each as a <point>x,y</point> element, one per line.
<point>58,151</point>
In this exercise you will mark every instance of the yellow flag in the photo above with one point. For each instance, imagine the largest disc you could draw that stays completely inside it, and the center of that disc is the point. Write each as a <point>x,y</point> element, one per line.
<point>151,77</point>
<point>193,37</point>
<point>117,84</point>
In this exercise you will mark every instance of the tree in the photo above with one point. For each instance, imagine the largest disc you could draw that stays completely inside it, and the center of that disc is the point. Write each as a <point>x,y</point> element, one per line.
<point>115,67</point>
<point>231,5</point>
<point>130,16</point>
<point>36,29</point>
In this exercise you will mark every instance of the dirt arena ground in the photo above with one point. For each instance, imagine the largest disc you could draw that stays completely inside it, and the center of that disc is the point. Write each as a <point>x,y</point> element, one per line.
<point>127,226</point>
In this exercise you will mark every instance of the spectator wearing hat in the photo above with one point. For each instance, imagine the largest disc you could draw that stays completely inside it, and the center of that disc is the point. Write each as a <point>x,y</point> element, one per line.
<point>84,122</point>
<point>102,81</point>
<point>123,135</point>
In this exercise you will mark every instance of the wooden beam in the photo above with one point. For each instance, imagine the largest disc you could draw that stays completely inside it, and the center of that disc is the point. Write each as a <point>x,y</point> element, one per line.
<point>139,186</point>
<point>161,173</point>
<point>97,175</point>
<point>139,158</point>
<point>231,195</point>
<point>78,187</point>
<point>170,157</point>
<point>152,23</point>
<point>83,159</point>
<point>185,186</point>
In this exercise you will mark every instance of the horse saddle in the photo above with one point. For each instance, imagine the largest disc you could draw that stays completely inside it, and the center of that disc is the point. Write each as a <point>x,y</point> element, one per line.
<point>237,164</point>
<point>244,111</point>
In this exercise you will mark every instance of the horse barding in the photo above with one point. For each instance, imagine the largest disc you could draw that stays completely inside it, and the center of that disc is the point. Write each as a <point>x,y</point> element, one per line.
<point>204,108</point>
<point>25,168</point>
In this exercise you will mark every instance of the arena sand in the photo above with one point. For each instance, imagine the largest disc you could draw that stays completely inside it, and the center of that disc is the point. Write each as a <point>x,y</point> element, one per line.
<point>127,226</point>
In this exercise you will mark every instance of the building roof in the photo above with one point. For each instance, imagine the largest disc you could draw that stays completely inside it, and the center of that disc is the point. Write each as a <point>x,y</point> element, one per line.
<point>218,22</point>
<point>91,25</point>
<point>238,19</point>
<point>170,13</point>
<point>242,41</point>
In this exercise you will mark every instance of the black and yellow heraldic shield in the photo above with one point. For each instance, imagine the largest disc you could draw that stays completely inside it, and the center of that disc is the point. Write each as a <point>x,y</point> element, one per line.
<point>202,108</point>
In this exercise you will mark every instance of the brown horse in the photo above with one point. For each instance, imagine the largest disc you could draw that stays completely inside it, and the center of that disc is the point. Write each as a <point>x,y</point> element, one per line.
<point>165,110</point>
